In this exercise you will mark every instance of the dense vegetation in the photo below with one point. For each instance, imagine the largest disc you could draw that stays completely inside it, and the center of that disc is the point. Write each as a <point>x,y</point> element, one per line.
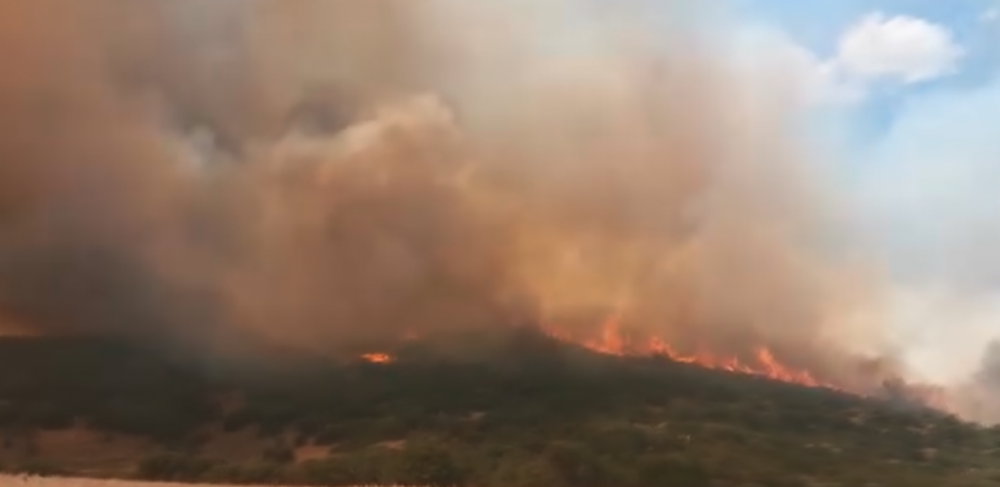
<point>517,411</point>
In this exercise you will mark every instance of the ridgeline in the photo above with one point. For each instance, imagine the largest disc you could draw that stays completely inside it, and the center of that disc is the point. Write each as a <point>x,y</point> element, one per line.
<point>520,410</point>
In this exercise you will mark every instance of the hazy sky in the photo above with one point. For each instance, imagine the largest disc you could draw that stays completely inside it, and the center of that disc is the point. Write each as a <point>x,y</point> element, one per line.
<point>908,92</point>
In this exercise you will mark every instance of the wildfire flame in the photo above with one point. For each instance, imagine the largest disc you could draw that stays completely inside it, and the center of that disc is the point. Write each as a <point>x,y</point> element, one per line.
<point>613,342</point>
<point>377,358</point>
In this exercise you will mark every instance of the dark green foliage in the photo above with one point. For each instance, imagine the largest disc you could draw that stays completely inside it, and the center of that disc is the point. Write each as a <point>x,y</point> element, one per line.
<point>423,465</point>
<point>337,471</point>
<point>51,383</point>
<point>278,453</point>
<point>37,467</point>
<point>257,473</point>
<point>173,467</point>
<point>526,471</point>
<point>523,413</point>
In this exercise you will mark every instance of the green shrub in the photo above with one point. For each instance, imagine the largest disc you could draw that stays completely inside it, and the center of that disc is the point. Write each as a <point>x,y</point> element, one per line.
<point>423,465</point>
<point>173,467</point>
<point>38,467</point>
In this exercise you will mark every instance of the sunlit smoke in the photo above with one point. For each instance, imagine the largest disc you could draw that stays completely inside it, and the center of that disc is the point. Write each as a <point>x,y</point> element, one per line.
<point>322,174</point>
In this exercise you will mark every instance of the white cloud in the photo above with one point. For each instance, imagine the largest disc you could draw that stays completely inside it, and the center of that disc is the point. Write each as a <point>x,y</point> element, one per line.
<point>990,15</point>
<point>900,49</point>
<point>811,80</point>
<point>904,48</point>
<point>820,82</point>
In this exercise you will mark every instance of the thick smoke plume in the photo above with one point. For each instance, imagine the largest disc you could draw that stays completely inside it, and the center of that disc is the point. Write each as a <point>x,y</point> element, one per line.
<point>324,173</point>
<point>978,397</point>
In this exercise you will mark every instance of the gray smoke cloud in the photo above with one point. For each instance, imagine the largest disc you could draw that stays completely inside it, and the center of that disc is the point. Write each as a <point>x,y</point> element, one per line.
<point>977,398</point>
<point>319,173</point>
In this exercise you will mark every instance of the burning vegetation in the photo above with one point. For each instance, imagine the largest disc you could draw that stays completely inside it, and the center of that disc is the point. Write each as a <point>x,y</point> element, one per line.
<point>378,358</point>
<point>229,193</point>
<point>547,410</point>
<point>613,341</point>
<point>208,177</point>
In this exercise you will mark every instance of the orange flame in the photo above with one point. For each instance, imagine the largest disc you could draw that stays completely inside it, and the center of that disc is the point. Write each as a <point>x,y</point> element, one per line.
<point>378,358</point>
<point>613,342</point>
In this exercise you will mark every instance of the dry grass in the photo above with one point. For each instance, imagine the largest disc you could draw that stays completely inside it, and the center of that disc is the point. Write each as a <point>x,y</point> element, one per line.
<point>14,481</point>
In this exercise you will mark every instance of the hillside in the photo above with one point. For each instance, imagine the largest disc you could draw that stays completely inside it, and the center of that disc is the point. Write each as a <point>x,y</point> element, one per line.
<point>520,410</point>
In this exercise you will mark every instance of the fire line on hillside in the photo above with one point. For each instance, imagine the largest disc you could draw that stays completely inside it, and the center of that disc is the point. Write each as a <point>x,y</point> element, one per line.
<point>612,341</point>
<point>378,358</point>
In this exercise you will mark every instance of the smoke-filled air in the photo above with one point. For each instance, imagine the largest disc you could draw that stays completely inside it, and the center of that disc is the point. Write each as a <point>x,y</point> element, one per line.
<point>323,174</point>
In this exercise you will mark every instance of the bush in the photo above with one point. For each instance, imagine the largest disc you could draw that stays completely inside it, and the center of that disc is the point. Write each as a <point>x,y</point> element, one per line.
<point>279,453</point>
<point>520,421</point>
<point>255,473</point>
<point>334,472</point>
<point>38,467</point>
<point>672,470</point>
<point>575,464</point>
<point>173,467</point>
<point>423,465</point>
<point>525,471</point>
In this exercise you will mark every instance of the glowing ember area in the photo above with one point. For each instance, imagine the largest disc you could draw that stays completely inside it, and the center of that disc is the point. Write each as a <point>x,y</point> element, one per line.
<point>613,342</point>
<point>377,358</point>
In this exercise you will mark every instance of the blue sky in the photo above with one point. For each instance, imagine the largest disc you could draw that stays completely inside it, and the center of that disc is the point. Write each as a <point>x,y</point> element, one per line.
<point>819,25</point>
<point>912,90</point>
